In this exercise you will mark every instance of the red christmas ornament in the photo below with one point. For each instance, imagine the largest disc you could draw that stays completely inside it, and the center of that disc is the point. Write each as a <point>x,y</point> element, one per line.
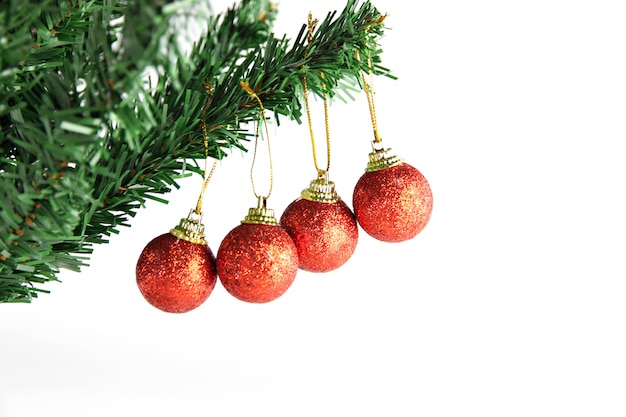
<point>176,271</point>
<point>392,200</point>
<point>257,261</point>
<point>322,226</point>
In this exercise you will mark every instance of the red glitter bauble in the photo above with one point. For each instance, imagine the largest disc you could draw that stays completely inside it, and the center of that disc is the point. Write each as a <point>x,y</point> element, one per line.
<point>257,263</point>
<point>393,204</point>
<point>325,234</point>
<point>175,275</point>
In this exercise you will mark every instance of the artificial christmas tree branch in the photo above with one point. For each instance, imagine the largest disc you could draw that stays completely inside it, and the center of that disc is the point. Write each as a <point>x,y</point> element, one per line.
<point>100,109</point>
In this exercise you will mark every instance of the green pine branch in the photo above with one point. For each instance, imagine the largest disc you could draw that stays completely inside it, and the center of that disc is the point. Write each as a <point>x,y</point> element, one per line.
<point>100,110</point>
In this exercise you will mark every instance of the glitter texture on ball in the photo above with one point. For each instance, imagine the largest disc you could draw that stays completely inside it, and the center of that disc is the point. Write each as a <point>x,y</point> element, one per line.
<point>326,234</point>
<point>393,204</point>
<point>257,263</point>
<point>175,275</point>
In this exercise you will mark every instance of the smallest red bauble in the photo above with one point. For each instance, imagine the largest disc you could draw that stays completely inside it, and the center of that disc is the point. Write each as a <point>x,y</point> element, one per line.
<point>176,271</point>
<point>257,261</point>
<point>322,226</point>
<point>392,201</point>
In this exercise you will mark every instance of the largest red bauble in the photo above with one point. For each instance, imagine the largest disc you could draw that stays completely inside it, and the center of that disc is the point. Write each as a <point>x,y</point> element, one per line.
<point>175,275</point>
<point>393,204</point>
<point>257,263</point>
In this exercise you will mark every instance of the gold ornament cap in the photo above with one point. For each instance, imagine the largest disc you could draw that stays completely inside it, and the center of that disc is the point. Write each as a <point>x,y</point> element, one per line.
<point>190,229</point>
<point>260,214</point>
<point>381,159</point>
<point>321,190</point>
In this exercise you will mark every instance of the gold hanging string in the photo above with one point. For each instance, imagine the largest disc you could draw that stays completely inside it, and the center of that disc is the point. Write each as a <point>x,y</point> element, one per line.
<point>262,120</point>
<point>311,133</point>
<point>205,136</point>
<point>311,23</point>
<point>326,125</point>
<point>311,27</point>
<point>369,92</point>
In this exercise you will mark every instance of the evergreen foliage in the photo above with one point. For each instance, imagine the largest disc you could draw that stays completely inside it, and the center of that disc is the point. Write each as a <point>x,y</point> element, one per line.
<point>100,108</point>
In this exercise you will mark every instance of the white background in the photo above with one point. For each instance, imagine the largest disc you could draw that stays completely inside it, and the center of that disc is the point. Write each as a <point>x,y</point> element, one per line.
<point>512,301</point>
